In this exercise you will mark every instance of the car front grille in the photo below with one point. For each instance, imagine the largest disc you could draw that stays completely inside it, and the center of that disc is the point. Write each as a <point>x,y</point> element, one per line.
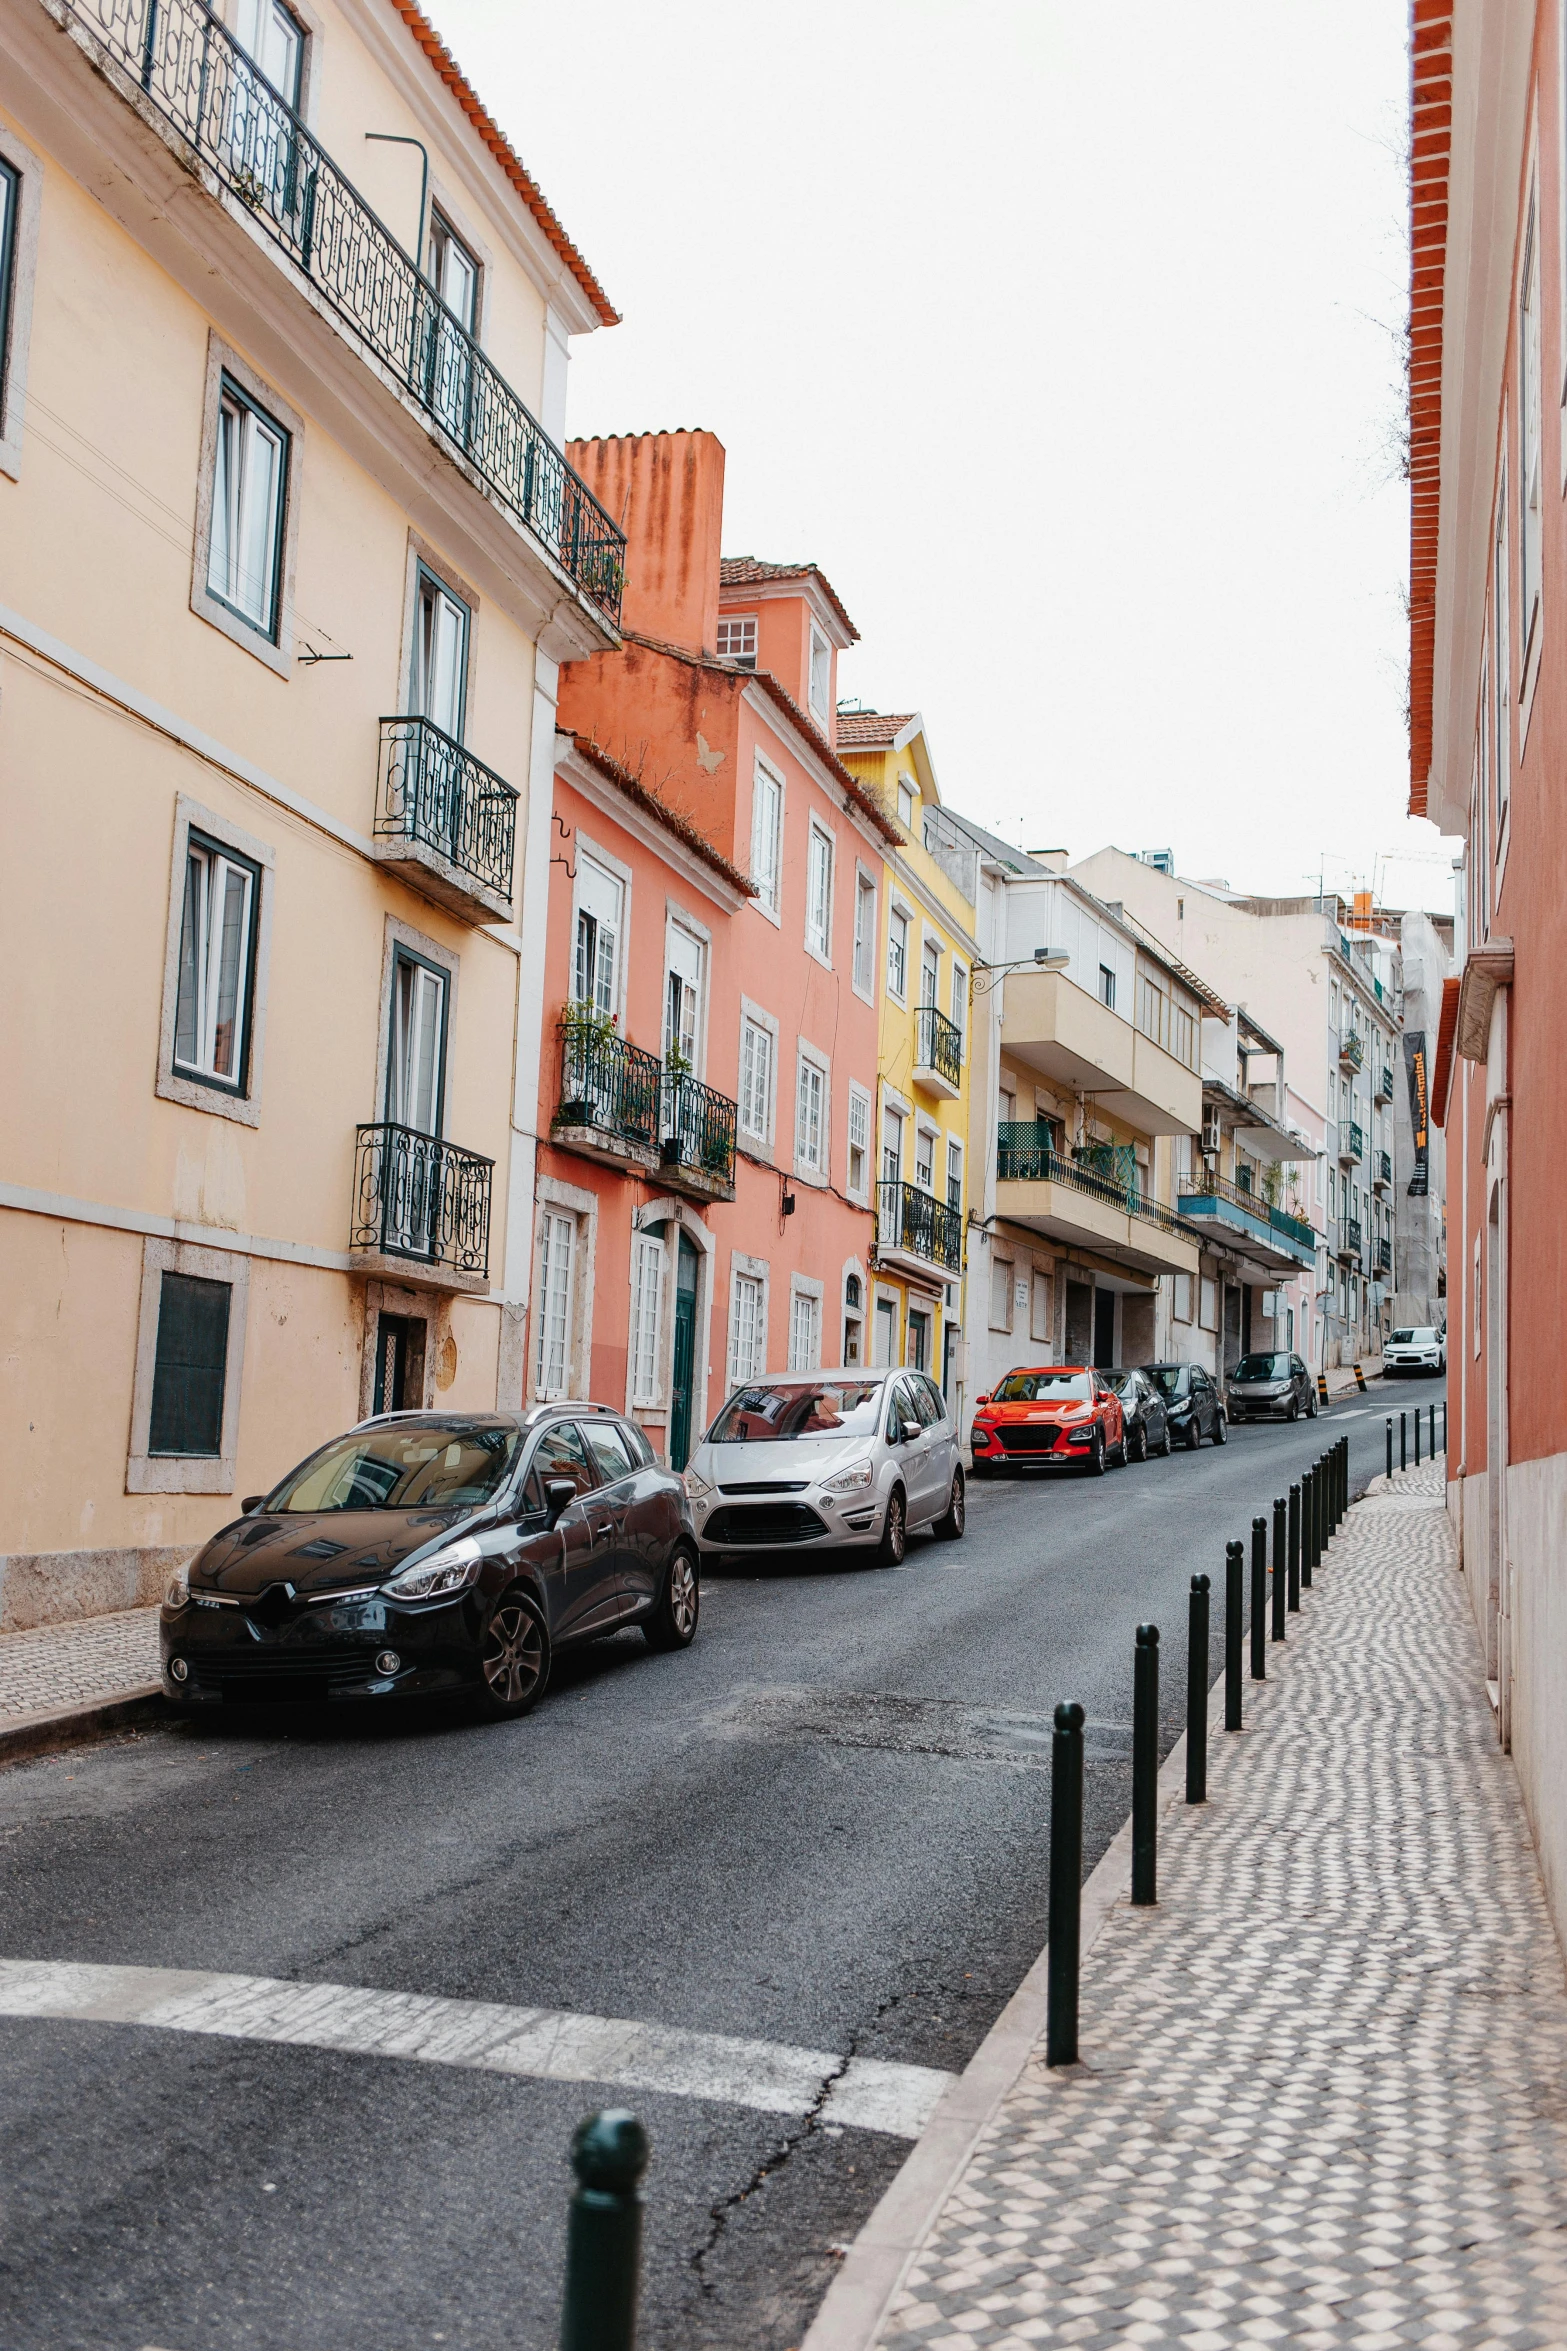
<point>764,1522</point>
<point>1023,1439</point>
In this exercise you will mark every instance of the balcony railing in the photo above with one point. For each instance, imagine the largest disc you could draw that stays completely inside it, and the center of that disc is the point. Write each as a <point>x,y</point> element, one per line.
<point>1384,1168</point>
<point>1385,1085</point>
<point>1294,1228</point>
<point>1357,1141</point>
<point>1351,1049</point>
<point>939,1044</point>
<point>1384,1256</point>
<point>696,1127</point>
<point>420,1198</point>
<point>917,1222</point>
<point>1349,1237</point>
<point>205,85</point>
<point>437,794</point>
<point>607,1084</point>
<point>1025,1155</point>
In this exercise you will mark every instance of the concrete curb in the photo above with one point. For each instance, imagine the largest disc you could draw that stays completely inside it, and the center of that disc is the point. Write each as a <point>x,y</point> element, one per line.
<point>70,1726</point>
<point>858,2300</point>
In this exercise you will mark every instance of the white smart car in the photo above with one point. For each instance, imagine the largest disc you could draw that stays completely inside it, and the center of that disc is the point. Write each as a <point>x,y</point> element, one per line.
<point>828,1460</point>
<point>1415,1349</point>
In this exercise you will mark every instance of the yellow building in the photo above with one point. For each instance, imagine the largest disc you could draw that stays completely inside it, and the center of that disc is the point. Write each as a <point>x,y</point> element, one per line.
<point>291,557</point>
<point>926,941</point>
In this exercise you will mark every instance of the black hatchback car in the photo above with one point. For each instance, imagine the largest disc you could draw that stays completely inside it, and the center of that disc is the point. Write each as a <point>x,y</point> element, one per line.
<point>1143,1412</point>
<point>1193,1403</point>
<point>428,1553</point>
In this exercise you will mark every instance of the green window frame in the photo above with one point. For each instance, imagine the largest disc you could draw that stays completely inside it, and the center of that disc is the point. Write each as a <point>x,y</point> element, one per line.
<point>190,1368</point>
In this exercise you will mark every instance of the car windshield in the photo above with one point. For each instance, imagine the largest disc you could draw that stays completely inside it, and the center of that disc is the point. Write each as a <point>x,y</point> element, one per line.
<point>773,1413</point>
<point>1262,1367</point>
<point>414,1465</point>
<point>1044,1387</point>
<point>1168,1378</point>
<point>1414,1338</point>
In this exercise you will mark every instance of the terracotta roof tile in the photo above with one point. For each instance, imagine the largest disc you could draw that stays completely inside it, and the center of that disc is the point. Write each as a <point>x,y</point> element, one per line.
<point>506,156</point>
<point>870,730</point>
<point>746,571</point>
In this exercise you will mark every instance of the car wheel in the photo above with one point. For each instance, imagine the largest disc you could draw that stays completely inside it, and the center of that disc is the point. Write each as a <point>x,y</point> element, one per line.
<point>1140,1449</point>
<point>1311,1407</point>
<point>514,1663</point>
<point>895,1534</point>
<point>1221,1429</point>
<point>672,1624</point>
<point>1294,1410</point>
<point>1165,1446</point>
<point>1095,1464</point>
<point>950,1525</point>
<point>1193,1434</point>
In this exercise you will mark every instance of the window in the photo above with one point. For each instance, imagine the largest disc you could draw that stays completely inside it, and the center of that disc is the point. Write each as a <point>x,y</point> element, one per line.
<point>1208,1304</point>
<point>1039,1307</point>
<point>273,39</point>
<point>248,492</point>
<point>853,1318</point>
<point>448,356</point>
<point>907,803</point>
<point>737,639</point>
<point>10,205</point>
<point>810,1116</point>
<point>438,672</point>
<point>930,972</point>
<point>557,1254</point>
<point>892,1146</point>
<point>647,1296</point>
<point>560,1454</point>
<point>897,952</point>
<point>818,895</point>
<point>190,1367</point>
<point>859,1142</point>
<point>805,1332</point>
<point>1107,986</point>
<point>924,1159</point>
<point>756,1079</point>
<point>415,1064</point>
<point>955,1177</point>
<point>600,900</point>
<point>1000,1295</point>
<point>864,933</point>
<point>885,1329</point>
<point>1183,1036</point>
<point>216,965</point>
<point>821,676</point>
<point>453,272</point>
<point>747,1329</point>
<point>766,835</point>
<point>682,995</point>
<point>1530,493</point>
<point>959,995</point>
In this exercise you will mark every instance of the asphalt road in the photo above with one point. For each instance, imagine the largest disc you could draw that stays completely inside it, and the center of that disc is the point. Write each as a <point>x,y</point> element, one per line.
<point>824,1825</point>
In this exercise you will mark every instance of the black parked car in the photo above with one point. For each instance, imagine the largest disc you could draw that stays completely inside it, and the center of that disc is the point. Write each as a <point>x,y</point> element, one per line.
<point>1195,1407</point>
<point>432,1552</point>
<point>1271,1387</point>
<point>1143,1410</point>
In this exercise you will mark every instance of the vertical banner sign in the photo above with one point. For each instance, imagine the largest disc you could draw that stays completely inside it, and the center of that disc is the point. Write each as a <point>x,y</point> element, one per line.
<point>1419,1113</point>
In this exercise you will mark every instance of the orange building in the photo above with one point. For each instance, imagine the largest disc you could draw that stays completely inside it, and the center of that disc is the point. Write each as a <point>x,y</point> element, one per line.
<point>703,1206</point>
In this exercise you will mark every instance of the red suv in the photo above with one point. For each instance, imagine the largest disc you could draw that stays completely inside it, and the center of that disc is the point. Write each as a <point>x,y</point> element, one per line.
<point>1059,1413</point>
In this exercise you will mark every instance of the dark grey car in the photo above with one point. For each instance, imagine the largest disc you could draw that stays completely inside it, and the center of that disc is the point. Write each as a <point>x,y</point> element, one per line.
<point>1146,1421</point>
<point>1194,1404</point>
<point>1271,1387</point>
<point>426,1553</point>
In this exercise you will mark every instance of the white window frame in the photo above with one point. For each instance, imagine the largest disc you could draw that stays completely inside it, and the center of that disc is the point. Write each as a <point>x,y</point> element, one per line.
<point>854,1270</point>
<point>808,1058</point>
<point>1002,1266</point>
<point>174,1084</point>
<point>866,929</point>
<point>677,919</point>
<point>558,1237</point>
<point>821,838</point>
<point>768,780</point>
<point>756,1271</point>
<point>729,621</point>
<point>763,1136</point>
<point>931,939</point>
<point>274,650</point>
<point>885,1297</point>
<point>927,1133</point>
<point>957,1002</point>
<point>644,1345</point>
<point>820,647</point>
<point>1040,1285</point>
<point>16,328</point>
<point>956,1155</point>
<point>582,1205</point>
<point>804,1291</point>
<point>908,800</point>
<point>583,846</point>
<point>861,1098</point>
<point>899,910</point>
<point>186,1473</point>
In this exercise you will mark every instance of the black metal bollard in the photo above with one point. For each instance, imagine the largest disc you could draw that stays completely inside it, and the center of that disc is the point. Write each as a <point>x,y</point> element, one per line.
<point>1390,1444</point>
<point>1294,1549</point>
<point>1433,1432</point>
<point>1197,1693</point>
<point>1308,1507</point>
<point>1066,1885</point>
<point>1234,1608</point>
<point>1403,1441</point>
<point>1280,1507</point>
<point>1343,1477</point>
<point>609,2153</point>
<point>1417,1436</point>
<point>1145,1765</point>
<point>1259,1599</point>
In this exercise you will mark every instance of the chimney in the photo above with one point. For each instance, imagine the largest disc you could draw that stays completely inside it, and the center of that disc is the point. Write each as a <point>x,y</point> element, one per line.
<point>1056,859</point>
<point>666,491</point>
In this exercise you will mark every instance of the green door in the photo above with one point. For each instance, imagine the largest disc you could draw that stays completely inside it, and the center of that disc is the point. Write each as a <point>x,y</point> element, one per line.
<point>685,1355</point>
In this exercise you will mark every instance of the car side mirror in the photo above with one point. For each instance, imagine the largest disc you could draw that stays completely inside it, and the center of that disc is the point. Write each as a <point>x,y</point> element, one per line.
<point>250,1503</point>
<point>909,1430</point>
<point>559,1494</point>
<point>979,1400</point>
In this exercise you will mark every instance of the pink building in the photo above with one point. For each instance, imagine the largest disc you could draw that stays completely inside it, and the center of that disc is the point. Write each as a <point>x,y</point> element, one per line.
<point>704,1201</point>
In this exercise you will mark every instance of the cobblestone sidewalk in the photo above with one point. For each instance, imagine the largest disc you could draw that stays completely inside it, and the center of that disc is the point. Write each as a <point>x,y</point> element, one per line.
<point>84,1663</point>
<point>1324,2091</point>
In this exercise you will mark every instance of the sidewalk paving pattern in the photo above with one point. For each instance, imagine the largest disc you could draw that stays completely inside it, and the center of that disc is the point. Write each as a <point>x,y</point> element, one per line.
<point>1323,2097</point>
<point>85,1662</point>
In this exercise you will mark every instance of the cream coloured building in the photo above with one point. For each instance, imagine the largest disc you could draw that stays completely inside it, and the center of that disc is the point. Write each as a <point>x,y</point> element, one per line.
<point>289,556</point>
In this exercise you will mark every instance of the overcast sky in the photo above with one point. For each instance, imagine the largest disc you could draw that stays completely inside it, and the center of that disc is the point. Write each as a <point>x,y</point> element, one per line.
<point>1064,340</point>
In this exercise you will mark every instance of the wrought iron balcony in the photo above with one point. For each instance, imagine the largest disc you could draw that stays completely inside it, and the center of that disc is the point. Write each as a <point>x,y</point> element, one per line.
<point>1385,1084</point>
<point>1348,1244</point>
<point>1384,1170</point>
<point>608,1103</point>
<point>1279,1220</point>
<point>917,1224</point>
<point>423,1202</point>
<point>1351,1049</point>
<point>446,815</point>
<point>1357,1141</point>
<point>696,1137</point>
<point>938,1051</point>
<point>1025,1155</point>
<point>1384,1256</point>
<point>194,72</point>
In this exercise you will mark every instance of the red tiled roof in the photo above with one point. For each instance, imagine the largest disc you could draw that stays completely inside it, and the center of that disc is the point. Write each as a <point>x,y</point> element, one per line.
<point>870,730</point>
<point>1446,1036</point>
<point>506,156</point>
<point>865,801</point>
<point>1431,119</point>
<point>746,571</point>
<point>670,818</point>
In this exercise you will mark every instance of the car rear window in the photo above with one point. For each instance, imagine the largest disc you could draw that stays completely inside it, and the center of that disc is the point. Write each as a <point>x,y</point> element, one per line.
<point>1262,1367</point>
<point>412,1465</point>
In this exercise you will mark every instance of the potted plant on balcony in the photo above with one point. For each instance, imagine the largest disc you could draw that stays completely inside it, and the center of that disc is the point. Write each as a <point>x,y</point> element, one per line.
<point>585,1033</point>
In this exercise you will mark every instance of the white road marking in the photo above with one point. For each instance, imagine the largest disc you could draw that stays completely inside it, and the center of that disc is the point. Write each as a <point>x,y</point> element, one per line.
<point>540,2043</point>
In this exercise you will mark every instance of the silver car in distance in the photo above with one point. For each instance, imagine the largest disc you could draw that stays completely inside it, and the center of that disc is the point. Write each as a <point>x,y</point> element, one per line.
<point>828,1460</point>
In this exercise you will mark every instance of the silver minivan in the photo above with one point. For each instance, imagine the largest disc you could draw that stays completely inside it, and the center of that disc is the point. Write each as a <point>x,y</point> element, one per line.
<point>828,1460</point>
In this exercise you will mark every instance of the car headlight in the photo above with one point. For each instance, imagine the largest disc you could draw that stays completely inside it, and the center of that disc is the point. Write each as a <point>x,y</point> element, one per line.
<point>451,1569</point>
<point>178,1593</point>
<point>697,1486</point>
<point>850,1480</point>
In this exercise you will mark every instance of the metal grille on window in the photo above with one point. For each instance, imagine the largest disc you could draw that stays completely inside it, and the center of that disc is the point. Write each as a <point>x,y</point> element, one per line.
<point>189,1367</point>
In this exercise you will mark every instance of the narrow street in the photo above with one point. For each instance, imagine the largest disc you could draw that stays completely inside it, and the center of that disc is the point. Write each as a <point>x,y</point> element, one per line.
<point>824,1827</point>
